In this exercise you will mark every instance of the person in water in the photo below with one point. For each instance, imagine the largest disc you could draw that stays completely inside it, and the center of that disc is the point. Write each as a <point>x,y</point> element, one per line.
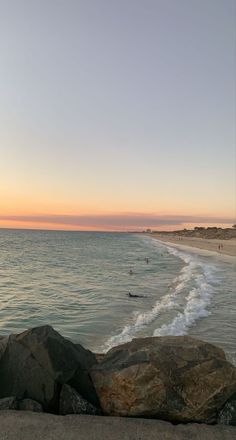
<point>134,296</point>
<point>131,272</point>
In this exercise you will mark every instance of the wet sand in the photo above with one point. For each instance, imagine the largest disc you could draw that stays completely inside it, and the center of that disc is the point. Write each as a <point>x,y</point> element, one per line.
<point>210,246</point>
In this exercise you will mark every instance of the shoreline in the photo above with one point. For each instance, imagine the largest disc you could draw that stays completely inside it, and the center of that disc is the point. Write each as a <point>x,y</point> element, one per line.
<point>201,246</point>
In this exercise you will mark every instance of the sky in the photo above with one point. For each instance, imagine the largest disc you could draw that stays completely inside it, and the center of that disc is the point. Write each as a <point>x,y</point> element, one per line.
<point>117,115</point>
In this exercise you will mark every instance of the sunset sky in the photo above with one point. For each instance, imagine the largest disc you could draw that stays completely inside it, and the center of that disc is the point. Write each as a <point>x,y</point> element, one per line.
<point>117,114</point>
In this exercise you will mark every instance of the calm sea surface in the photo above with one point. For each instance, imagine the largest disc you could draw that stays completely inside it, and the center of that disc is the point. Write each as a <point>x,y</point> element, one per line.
<point>78,282</point>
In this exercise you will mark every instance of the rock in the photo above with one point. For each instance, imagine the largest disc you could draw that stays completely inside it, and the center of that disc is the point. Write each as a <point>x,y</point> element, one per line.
<point>3,345</point>
<point>35,363</point>
<point>72,403</point>
<point>174,378</point>
<point>99,356</point>
<point>22,375</point>
<point>22,425</point>
<point>30,405</point>
<point>8,403</point>
<point>227,415</point>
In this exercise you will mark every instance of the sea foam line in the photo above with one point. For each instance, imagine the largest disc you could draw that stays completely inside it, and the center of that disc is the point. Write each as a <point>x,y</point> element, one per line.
<point>197,301</point>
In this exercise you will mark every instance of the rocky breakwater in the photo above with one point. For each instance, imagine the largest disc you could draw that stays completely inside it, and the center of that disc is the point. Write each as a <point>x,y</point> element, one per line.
<point>178,379</point>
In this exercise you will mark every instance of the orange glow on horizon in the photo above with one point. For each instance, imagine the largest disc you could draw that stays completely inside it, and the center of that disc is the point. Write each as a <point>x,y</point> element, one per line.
<point>16,224</point>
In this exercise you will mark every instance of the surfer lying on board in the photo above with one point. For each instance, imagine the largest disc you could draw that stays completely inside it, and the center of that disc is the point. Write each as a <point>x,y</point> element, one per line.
<point>134,296</point>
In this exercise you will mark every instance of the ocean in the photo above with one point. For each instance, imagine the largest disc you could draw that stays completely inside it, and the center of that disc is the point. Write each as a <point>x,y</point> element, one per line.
<point>79,282</point>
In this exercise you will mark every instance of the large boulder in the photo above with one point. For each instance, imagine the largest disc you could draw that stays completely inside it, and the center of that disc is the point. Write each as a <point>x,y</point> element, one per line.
<point>35,364</point>
<point>180,379</point>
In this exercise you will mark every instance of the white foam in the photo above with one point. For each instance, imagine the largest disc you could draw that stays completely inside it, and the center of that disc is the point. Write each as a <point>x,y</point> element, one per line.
<point>196,307</point>
<point>187,274</point>
<point>197,301</point>
<point>140,320</point>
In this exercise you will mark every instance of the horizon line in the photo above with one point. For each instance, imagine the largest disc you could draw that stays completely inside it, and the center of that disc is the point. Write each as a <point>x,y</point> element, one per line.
<point>146,230</point>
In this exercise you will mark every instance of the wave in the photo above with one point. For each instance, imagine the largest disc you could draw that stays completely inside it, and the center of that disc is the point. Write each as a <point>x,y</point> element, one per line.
<point>197,300</point>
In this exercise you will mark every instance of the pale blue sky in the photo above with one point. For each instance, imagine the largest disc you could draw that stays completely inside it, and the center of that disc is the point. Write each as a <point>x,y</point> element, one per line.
<point>116,106</point>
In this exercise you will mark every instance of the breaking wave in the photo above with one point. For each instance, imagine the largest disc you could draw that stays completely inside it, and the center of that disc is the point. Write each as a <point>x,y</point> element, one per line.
<point>197,301</point>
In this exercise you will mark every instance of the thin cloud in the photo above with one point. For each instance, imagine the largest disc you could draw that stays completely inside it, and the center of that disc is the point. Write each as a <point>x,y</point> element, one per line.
<point>116,220</point>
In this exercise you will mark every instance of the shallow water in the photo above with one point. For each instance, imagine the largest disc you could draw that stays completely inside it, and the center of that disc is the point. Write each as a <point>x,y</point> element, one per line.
<point>78,282</point>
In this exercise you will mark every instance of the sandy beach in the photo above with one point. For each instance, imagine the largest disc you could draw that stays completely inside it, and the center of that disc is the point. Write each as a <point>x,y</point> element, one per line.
<point>211,246</point>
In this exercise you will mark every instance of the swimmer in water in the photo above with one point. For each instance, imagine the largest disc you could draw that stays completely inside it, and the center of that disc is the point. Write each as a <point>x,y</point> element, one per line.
<point>134,296</point>
<point>131,272</point>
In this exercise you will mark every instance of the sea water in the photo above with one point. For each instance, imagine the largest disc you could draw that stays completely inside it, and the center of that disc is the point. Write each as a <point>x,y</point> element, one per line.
<point>79,282</point>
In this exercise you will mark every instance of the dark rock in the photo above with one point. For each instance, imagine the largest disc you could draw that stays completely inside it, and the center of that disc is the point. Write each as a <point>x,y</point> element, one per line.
<point>180,379</point>
<point>22,375</point>
<point>3,345</point>
<point>72,403</point>
<point>8,403</point>
<point>227,415</point>
<point>35,363</point>
<point>30,405</point>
